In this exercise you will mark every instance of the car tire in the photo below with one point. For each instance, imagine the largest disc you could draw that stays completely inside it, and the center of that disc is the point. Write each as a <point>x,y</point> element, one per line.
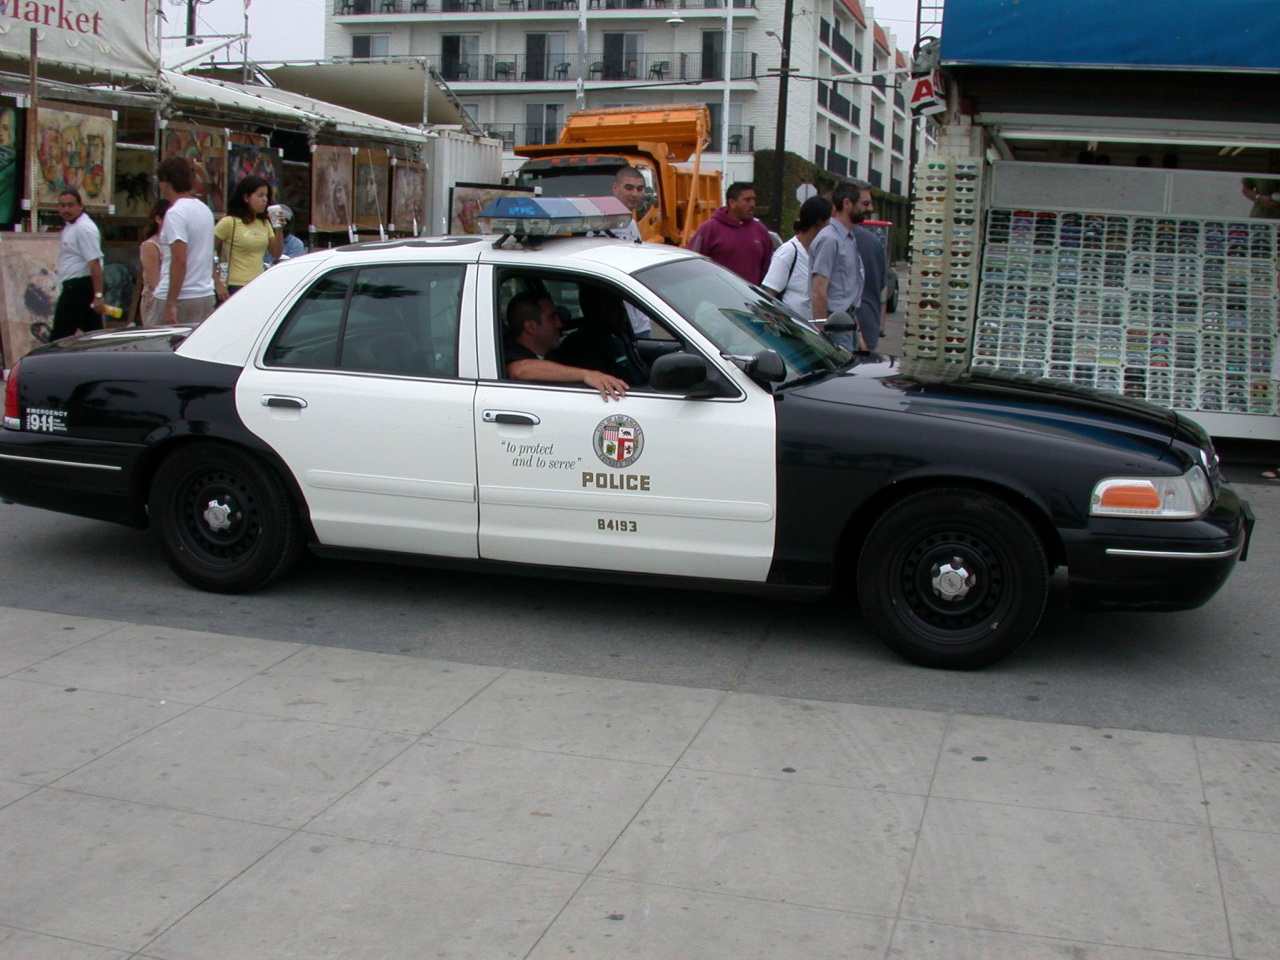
<point>953,578</point>
<point>225,520</point>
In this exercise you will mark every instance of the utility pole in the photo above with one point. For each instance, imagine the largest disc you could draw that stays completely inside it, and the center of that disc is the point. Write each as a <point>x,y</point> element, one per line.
<point>780,139</point>
<point>191,20</point>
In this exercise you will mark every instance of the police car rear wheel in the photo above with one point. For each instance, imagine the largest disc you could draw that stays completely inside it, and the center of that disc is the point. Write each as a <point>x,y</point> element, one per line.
<point>224,520</point>
<point>953,578</point>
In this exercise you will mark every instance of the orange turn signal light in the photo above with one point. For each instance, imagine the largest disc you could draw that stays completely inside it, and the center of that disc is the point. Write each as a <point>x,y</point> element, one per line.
<point>1130,496</point>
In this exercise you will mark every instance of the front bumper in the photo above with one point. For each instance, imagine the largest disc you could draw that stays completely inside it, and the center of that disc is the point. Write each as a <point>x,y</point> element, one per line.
<point>1116,564</point>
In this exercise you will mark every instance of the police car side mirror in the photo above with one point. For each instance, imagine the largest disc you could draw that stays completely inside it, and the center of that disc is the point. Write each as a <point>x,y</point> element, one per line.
<point>767,367</point>
<point>683,373</point>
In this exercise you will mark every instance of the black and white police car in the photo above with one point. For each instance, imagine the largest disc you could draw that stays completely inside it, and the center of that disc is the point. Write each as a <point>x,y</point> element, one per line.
<point>355,402</point>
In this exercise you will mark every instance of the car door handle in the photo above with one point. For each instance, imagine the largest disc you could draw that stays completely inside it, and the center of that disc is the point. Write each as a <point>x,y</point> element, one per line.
<point>292,403</point>
<point>510,416</point>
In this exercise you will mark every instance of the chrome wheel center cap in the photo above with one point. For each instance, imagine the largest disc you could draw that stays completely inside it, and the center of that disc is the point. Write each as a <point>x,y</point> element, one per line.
<point>952,581</point>
<point>217,516</point>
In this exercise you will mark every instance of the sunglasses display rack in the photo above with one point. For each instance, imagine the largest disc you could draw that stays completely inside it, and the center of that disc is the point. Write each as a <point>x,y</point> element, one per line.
<point>944,274</point>
<point>1176,310</point>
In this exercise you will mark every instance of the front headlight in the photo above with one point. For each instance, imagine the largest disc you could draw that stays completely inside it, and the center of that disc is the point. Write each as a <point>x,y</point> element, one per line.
<point>1153,498</point>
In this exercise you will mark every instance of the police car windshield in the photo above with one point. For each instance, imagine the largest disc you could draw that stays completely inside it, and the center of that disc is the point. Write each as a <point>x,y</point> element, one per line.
<point>741,320</point>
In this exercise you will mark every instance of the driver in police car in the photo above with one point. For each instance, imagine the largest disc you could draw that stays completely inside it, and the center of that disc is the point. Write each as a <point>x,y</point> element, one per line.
<point>533,331</point>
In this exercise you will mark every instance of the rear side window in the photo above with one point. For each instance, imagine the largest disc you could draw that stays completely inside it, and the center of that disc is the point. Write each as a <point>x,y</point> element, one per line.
<point>400,319</point>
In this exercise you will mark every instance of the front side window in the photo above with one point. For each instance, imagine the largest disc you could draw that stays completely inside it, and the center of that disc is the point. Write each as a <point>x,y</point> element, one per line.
<point>739,319</point>
<point>397,319</point>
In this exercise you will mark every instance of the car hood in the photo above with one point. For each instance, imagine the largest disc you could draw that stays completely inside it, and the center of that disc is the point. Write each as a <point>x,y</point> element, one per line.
<point>1011,401</point>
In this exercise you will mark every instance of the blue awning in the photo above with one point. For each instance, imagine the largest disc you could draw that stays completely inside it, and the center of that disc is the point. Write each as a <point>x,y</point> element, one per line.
<point>1139,34</point>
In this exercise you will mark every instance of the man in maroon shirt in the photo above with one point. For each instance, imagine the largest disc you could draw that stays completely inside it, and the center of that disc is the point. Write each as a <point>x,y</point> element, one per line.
<point>734,238</point>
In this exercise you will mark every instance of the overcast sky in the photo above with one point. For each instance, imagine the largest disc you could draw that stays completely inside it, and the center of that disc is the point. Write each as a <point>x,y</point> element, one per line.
<point>294,29</point>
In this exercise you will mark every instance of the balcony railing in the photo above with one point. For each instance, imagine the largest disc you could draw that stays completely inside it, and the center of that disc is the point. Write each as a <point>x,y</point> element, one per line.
<point>742,139</point>
<point>895,186</point>
<point>841,47</point>
<point>899,145</point>
<point>879,82</point>
<point>520,134</point>
<point>553,67</point>
<point>877,131</point>
<point>367,7</point>
<point>875,178</point>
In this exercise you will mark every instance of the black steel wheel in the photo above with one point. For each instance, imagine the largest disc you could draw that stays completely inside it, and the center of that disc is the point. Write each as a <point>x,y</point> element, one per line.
<point>224,519</point>
<point>953,578</point>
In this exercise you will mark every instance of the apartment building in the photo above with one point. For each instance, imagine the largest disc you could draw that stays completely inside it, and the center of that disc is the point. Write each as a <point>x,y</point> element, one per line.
<point>519,66</point>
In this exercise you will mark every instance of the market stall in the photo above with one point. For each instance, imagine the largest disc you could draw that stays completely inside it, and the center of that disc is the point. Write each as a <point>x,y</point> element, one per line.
<point>1104,205</point>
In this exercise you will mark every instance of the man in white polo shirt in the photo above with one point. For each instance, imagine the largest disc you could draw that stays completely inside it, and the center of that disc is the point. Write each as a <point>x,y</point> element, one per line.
<point>184,293</point>
<point>79,307</point>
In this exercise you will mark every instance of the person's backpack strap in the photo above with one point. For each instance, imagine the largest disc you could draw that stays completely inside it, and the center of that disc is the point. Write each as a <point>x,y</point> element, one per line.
<point>794,257</point>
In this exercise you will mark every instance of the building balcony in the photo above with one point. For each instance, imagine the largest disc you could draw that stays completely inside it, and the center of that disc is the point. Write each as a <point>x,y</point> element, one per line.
<point>899,145</point>
<point>381,8</point>
<point>501,68</point>
<point>875,178</point>
<point>834,162</point>
<point>877,131</point>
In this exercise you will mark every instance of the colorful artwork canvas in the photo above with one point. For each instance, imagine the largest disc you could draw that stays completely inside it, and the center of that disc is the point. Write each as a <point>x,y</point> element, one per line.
<point>74,151</point>
<point>136,188</point>
<point>332,175</point>
<point>372,187</point>
<point>206,148</point>
<point>408,197</point>
<point>252,160</point>
<point>466,200</point>
<point>28,291</point>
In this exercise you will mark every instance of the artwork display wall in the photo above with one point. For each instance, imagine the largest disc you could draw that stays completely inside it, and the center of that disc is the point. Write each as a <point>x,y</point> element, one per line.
<point>466,200</point>
<point>135,189</point>
<point>249,155</point>
<point>28,291</point>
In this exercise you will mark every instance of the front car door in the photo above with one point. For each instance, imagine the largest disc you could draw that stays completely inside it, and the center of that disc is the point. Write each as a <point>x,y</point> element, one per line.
<point>651,484</point>
<point>366,390</point>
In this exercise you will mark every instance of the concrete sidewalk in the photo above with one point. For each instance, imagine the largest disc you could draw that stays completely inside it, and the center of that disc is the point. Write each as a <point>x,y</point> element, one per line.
<point>171,794</point>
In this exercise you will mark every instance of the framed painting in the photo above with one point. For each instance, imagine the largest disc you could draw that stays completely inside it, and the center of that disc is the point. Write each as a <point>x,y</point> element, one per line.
<point>332,177</point>
<point>12,138</point>
<point>373,193</point>
<point>136,187</point>
<point>466,200</point>
<point>295,193</point>
<point>206,148</point>
<point>28,291</point>
<point>252,160</point>
<point>408,197</point>
<point>75,151</point>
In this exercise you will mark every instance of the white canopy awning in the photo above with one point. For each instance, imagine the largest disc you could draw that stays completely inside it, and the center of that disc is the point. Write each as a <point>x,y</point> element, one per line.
<point>270,102</point>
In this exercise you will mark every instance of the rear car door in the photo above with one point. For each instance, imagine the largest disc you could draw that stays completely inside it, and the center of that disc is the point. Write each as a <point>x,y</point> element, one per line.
<point>654,483</point>
<point>363,391</point>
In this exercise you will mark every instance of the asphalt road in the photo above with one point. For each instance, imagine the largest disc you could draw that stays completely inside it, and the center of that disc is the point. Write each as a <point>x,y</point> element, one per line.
<point>1213,671</point>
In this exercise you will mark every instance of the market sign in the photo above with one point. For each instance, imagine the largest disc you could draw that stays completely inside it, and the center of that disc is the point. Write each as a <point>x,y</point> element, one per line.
<point>928,94</point>
<point>1171,35</point>
<point>104,36</point>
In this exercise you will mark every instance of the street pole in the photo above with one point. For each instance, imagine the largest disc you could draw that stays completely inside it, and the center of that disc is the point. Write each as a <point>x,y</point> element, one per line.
<point>724,110</point>
<point>582,54</point>
<point>780,138</point>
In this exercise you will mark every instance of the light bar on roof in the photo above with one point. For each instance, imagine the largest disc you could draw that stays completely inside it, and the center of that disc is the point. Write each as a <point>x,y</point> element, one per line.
<point>549,216</point>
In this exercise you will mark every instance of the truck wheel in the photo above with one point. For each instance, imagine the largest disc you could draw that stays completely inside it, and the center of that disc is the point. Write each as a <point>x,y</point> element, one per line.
<point>224,520</point>
<point>953,578</point>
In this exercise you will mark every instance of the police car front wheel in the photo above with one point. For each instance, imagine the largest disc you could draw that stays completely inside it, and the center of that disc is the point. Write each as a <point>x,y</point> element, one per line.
<point>953,578</point>
<point>224,519</point>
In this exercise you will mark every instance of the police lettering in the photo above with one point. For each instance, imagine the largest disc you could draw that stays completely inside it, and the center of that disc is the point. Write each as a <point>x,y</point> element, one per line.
<point>616,481</point>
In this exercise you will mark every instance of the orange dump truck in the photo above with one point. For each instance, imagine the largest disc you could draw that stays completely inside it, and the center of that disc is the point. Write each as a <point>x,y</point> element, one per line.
<point>664,143</point>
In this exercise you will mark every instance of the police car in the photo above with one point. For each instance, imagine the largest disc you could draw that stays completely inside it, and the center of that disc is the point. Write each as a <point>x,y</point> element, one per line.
<point>356,402</point>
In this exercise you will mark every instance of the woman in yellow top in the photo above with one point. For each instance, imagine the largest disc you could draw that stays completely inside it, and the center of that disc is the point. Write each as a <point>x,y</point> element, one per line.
<point>245,234</point>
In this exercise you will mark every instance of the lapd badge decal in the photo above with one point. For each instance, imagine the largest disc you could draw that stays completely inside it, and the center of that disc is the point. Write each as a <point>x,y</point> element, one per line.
<point>619,441</point>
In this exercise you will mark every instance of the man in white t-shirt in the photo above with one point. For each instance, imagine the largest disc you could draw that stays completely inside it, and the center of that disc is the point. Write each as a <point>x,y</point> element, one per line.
<point>80,304</point>
<point>184,292</point>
